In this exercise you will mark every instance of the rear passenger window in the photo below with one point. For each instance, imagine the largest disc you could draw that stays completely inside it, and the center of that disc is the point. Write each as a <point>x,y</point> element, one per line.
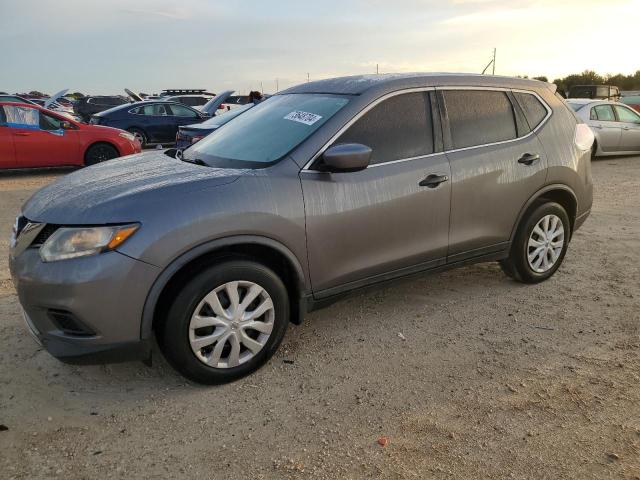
<point>533,110</point>
<point>479,117</point>
<point>22,117</point>
<point>398,128</point>
<point>605,113</point>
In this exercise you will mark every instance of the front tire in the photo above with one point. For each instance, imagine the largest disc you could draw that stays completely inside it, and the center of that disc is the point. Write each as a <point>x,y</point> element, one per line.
<point>540,244</point>
<point>100,152</point>
<point>225,322</point>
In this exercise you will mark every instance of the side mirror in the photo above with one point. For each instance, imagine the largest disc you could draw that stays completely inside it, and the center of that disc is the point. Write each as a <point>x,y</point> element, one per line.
<point>348,157</point>
<point>66,125</point>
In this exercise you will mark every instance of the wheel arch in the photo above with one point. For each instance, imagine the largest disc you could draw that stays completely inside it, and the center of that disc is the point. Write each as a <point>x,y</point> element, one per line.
<point>558,193</point>
<point>260,249</point>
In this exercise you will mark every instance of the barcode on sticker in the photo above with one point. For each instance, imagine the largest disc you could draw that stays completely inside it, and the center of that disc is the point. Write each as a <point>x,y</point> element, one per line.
<point>303,117</point>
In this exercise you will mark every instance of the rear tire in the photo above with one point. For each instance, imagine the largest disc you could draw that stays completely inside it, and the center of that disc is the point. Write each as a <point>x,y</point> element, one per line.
<point>140,136</point>
<point>540,244</point>
<point>100,152</point>
<point>225,322</point>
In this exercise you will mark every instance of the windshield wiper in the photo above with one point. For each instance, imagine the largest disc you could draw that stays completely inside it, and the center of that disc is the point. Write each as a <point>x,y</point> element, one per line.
<point>196,161</point>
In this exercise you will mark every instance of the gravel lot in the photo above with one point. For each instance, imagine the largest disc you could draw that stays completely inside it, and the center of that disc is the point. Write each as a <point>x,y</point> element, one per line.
<point>467,373</point>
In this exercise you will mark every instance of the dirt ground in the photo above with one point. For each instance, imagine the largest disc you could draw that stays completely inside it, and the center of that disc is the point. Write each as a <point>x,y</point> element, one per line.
<point>469,374</point>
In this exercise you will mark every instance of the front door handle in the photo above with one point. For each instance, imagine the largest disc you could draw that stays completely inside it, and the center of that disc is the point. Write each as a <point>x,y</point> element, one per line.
<point>529,158</point>
<point>432,181</point>
<point>22,134</point>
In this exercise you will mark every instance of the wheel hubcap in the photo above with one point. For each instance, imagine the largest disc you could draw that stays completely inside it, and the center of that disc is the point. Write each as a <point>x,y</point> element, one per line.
<point>231,324</point>
<point>545,243</point>
<point>139,137</point>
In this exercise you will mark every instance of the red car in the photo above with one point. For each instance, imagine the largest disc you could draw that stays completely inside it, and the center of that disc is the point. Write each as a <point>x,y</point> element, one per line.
<point>32,136</point>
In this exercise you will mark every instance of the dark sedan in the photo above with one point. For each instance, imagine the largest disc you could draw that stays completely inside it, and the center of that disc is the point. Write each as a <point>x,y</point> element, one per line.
<point>190,134</point>
<point>153,122</point>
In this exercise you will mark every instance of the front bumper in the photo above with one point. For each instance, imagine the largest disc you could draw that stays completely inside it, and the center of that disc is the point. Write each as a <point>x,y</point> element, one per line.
<point>85,310</point>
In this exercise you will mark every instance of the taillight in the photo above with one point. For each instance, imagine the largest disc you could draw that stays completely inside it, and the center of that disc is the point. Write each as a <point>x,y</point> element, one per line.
<point>584,136</point>
<point>197,139</point>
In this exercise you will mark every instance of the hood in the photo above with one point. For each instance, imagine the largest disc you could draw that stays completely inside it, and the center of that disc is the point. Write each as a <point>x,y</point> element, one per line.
<point>120,190</point>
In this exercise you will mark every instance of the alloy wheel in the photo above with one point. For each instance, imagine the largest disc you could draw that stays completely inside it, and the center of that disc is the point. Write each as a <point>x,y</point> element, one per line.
<point>545,243</point>
<point>231,324</point>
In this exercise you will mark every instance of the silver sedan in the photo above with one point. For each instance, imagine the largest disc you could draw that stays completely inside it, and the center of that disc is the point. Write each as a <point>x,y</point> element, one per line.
<point>616,126</point>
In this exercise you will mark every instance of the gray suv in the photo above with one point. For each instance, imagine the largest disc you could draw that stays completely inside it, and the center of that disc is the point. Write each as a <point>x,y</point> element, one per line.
<point>322,190</point>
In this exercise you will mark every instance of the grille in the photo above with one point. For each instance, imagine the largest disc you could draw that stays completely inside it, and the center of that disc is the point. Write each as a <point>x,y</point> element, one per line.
<point>44,234</point>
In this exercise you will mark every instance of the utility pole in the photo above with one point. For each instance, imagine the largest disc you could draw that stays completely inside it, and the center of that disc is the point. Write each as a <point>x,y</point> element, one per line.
<point>277,86</point>
<point>377,70</point>
<point>494,61</point>
<point>261,87</point>
<point>308,79</point>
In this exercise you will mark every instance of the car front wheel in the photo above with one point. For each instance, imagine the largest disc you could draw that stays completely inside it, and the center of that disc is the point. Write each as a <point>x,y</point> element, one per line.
<point>540,244</point>
<point>225,322</point>
<point>100,152</point>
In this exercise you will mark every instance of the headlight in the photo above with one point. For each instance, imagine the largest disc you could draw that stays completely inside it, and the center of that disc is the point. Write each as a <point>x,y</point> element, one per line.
<point>80,242</point>
<point>128,136</point>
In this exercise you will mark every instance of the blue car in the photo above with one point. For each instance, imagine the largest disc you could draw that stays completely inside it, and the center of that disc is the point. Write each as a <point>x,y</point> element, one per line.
<point>191,134</point>
<point>154,122</point>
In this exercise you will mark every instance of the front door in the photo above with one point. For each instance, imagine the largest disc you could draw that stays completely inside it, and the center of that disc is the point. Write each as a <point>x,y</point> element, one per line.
<point>630,131</point>
<point>374,224</point>
<point>497,164</point>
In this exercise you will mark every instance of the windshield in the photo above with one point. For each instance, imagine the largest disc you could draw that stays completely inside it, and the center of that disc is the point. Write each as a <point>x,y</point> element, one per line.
<point>267,132</point>
<point>223,118</point>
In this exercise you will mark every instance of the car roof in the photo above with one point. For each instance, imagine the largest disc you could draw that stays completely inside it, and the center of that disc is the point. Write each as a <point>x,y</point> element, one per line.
<point>359,84</point>
<point>588,101</point>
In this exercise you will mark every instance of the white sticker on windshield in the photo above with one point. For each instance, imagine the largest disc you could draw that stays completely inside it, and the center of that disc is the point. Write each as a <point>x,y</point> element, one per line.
<point>303,117</point>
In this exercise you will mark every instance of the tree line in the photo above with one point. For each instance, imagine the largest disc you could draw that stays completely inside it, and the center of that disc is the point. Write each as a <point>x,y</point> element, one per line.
<point>589,77</point>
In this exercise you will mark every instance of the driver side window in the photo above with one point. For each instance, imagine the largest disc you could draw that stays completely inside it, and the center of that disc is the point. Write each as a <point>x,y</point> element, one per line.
<point>181,111</point>
<point>396,129</point>
<point>627,116</point>
<point>47,122</point>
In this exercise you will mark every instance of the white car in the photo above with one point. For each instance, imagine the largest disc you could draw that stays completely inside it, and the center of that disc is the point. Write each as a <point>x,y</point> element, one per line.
<point>615,126</point>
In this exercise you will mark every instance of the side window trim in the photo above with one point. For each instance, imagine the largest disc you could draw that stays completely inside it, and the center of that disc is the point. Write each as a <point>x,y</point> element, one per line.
<point>448,143</point>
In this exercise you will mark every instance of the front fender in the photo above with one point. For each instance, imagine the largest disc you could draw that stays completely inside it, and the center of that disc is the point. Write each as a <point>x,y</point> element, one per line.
<point>149,310</point>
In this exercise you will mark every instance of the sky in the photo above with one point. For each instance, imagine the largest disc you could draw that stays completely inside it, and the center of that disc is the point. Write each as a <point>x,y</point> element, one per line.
<point>101,47</point>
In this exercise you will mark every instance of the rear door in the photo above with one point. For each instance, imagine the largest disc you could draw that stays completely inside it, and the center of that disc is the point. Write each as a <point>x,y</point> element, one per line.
<point>7,157</point>
<point>630,132</point>
<point>158,123</point>
<point>497,164</point>
<point>379,222</point>
<point>607,128</point>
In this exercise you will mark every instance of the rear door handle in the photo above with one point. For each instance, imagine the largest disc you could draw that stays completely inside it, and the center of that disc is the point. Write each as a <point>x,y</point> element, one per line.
<point>529,158</point>
<point>22,134</point>
<point>432,181</point>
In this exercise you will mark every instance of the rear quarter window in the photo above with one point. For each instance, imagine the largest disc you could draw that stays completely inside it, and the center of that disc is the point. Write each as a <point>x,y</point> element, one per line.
<point>478,117</point>
<point>534,111</point>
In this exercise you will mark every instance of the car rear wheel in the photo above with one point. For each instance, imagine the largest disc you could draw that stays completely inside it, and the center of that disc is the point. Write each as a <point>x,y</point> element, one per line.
<point>540,244</point>
<point>100,152</point>
<point>140,136</point>
<point>225,322</point>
